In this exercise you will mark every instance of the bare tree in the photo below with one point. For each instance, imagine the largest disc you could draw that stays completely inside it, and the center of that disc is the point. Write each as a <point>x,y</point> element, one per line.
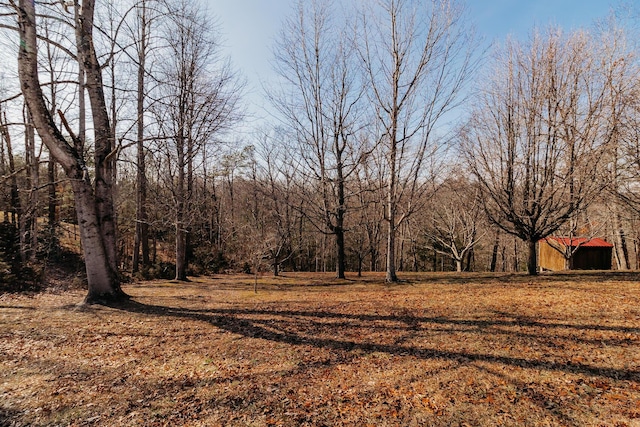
<point>274,210</point>
<point>367,228</point>
<point>320,103</point>
<point>417,55</point>
<point>454,221</point>
<point>537,137</point>
<point>142,44</point>
<point>94,200</point>
<point>200,94</point>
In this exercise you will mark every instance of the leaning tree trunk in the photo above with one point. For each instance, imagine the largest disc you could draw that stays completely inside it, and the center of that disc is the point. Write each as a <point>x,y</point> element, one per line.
<point>104,156</point>
<point>94,206</point>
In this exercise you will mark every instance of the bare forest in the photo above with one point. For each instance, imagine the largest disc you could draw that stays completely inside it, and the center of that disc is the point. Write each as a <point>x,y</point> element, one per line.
<point>399,141</point>
<point>365,251</point>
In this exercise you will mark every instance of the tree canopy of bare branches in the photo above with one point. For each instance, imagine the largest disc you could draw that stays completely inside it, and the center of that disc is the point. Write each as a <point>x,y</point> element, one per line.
<point>538,136</point>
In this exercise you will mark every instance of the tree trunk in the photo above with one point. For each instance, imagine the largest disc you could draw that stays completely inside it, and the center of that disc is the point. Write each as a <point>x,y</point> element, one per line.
<point>340,253</point>
<point>51,211</point>
<point>435,260</point>
<point>621,250</point>
<point>180,194</point>
<point>140,165</point>
<point>14,207</point>
<point>340,212</point>
<point>532,263</point>
<point>401,261</point>
<point>103,284</point>
<point>391,222</point>
<point>31,211</point>
<point>391,195</point>
<point>181,252</point>
<point>494,253</point>
<point>391,259</point>
<point>470,260</point>
<point>3,170</point>
<point>141,238</point>
<point>104,158</point>
<point>373,260</point>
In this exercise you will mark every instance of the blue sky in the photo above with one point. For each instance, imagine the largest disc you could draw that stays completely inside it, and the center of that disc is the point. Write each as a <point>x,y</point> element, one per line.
<point>250,26</point>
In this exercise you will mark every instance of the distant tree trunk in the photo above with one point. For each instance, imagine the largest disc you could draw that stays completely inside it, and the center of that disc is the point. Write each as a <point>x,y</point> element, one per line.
<point>339,213</point>
<point>181,234</point>
<point>3,164</point>
<point>52,197</point>
<point>373,248</point>
<point>141,237</point>
<point>30,216</point>
<point>435,260</point>
<point>14,204</point>
<point>340,252</point>
<point>532,263</point>
<point>620,248</point>
<point>52,220</point>
<point>494,253</point>
<point>391,275</point>
<point>392,196</point>
<point>470,260</point>
<point>401,254</point>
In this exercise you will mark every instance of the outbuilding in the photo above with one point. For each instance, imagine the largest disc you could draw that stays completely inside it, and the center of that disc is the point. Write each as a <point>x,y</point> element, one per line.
<point>578,253</point>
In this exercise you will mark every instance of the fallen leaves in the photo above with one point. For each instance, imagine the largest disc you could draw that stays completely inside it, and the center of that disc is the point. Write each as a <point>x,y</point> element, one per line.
<point>429,353</point>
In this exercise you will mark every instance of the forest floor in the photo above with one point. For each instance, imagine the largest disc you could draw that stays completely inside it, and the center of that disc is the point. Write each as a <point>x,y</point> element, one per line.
<point>306,349</point>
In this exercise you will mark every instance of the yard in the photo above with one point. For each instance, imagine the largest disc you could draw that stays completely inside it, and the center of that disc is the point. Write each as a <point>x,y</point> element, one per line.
<point>435,350</point>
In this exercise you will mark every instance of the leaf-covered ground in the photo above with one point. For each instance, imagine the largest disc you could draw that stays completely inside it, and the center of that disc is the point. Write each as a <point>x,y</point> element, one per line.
<point>436,350</point>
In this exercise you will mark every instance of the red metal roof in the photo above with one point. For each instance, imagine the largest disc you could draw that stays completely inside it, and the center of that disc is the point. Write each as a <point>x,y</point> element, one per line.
<point>583,242</point>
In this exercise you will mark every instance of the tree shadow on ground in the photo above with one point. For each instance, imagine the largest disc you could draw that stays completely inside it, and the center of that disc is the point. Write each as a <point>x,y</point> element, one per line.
<point>577,276</point>
<point>300,327</point>
<point>294,280</point>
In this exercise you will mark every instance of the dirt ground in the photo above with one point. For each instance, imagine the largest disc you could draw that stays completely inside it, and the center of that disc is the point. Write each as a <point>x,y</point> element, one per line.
<point>308,350</point>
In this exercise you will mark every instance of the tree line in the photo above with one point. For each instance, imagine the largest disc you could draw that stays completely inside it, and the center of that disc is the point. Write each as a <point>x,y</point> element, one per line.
<point>397,141</point>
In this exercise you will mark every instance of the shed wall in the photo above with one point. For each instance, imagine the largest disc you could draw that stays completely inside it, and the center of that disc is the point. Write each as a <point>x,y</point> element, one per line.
<point>549,258</point>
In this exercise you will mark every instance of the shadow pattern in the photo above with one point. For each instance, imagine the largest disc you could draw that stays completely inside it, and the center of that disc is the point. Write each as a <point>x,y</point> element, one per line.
<point>325,329</point>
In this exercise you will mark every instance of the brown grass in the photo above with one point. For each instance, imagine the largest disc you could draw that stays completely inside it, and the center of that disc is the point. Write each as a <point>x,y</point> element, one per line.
<point>436,350</point>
